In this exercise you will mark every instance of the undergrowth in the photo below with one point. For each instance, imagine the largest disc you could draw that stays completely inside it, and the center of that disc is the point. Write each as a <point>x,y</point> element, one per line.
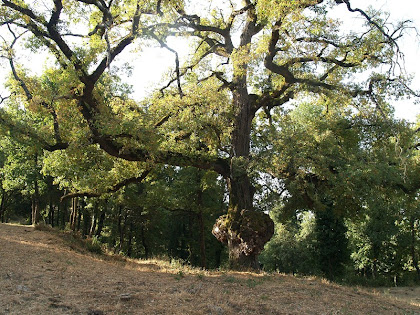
<point>75,240</point>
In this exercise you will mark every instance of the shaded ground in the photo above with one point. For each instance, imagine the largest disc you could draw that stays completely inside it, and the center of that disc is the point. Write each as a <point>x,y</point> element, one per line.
<point>41,274</point>
<point>407,294</point>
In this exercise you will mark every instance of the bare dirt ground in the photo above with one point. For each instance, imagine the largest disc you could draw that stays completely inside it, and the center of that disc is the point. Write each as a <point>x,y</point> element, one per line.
<point>40,273</point>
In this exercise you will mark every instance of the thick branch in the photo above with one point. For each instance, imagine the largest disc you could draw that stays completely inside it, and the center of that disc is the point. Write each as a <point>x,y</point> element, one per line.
<point>112,53</point>
<point>340,63</point>
<point>66,50</point>
<point>110,146</point>
<point>58,6</point>
<point>194,23</point>
<point>268,103</point>
<point>269,59</point>
<point>25,11</point>
<point>112,189</point>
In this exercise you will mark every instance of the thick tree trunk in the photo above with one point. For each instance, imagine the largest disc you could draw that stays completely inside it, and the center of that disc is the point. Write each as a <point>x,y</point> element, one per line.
<point>243,229</point>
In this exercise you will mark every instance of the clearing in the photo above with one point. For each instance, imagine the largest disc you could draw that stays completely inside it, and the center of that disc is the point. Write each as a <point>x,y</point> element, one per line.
<point>42,273</point>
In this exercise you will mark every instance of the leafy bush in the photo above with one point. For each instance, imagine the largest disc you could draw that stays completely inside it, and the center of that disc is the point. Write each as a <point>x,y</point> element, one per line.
<point>94,245</point>
<point>292,248</point>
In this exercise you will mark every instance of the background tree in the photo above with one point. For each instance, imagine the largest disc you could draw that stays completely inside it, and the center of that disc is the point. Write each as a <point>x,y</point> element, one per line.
<point>351,171</point>
<point>293,247</point>
<point>21,174</point>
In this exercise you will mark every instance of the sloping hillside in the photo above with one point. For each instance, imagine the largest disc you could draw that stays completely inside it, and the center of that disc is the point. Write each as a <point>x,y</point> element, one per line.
<point>40,273</point>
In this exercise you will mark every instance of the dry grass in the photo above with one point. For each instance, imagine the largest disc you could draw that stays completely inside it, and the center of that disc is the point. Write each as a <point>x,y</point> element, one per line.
<point>40,273</point>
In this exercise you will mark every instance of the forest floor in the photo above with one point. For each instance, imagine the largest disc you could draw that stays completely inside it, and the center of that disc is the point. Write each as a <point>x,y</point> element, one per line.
<point>43,273</point>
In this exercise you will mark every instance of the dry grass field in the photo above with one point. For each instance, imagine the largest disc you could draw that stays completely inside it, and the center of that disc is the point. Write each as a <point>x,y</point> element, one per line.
<point>42,273</point>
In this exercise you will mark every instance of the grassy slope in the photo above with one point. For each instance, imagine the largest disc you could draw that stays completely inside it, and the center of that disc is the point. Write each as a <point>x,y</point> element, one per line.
<point>41,273</point>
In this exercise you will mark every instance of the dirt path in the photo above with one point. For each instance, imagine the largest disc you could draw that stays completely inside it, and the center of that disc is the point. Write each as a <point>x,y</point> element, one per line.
<point>41,274</point>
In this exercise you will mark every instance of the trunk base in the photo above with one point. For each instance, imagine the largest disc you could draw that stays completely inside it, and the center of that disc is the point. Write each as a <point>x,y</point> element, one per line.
<point>245,237</point>
<point>241,262</point>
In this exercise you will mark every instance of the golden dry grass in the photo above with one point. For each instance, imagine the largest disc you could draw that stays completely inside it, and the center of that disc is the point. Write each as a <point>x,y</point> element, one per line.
<point>41,274</point>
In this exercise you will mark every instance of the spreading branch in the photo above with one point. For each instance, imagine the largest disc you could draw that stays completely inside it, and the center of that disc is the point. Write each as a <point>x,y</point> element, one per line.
<point>115,188</point>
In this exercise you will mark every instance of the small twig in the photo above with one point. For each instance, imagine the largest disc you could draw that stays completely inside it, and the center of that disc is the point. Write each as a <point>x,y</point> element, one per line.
<point>4,98</point>
<point>177,68</point>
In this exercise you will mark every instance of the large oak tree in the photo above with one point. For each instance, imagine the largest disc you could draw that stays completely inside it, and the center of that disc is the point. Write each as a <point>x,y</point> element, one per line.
<point>247,58</point>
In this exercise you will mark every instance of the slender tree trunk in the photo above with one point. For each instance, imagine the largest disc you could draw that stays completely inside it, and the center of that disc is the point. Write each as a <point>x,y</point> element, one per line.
<point>51,211</point>
<point>331,242</point>
<point>119,228</point>
<point>86,220</point>
<point>93,225</point>
<point>123,230</point>
<point>203,260</point>
<point>414,256</point>
<point>73,214</point>
<point>3,204</point>
<point>202,238</point>
<point>144,243</point>
<point>94,219</point>
<point>36,216</point>
<point>190,236</point>
<point>35,205</point>
<point>64,214</point>
<point>130,239</point>
<point>374,266</point>
<point>79,214</point>
<point>100,224</point>
<point>57,221</point>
